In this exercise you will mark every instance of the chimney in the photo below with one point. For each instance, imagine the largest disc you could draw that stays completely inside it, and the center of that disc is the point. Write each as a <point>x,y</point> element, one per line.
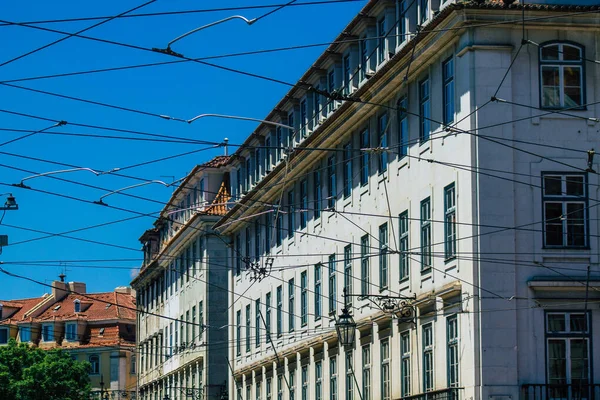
<point>123,289</point>
<point>78,287</point>
<point>59,290</point>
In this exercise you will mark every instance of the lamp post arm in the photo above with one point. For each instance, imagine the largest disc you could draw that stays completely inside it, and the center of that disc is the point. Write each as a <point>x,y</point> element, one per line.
<point>189,121</point>
<point>246,20</point>
<point>133,186</point>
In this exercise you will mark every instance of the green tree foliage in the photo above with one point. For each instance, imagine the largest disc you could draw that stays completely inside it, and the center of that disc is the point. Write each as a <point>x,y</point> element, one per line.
<point>28,373</point>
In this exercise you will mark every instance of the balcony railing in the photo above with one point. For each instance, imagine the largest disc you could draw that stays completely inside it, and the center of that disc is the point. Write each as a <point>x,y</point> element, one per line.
<point>444,394</point>
<point>560,392</point>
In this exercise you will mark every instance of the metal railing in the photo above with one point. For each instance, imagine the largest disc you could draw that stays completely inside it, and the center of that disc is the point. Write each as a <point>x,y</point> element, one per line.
<point>541,391</point>
<point>444,394</point>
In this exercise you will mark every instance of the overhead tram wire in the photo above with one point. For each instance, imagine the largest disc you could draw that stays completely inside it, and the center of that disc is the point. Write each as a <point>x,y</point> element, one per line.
<point>280,49</point>
<point>182,12</point>
<point>59,123</point>
<point>69,35</point>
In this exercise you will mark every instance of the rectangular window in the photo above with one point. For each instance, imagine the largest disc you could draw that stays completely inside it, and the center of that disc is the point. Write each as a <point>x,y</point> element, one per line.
<point>279,229</point>
<point>195,256</point>
<point>48,332</point>
<point>402,19</point>
<point>24,334</point>
<point>448,90</point>
<point>194,322</point>
<point>568,354</point>
<point>366,373</point>
<point>347,75</point>
<point>364,58</point>
<point>452,350</point>
<point>565,214</point>
<point>279,143</point>
<point>365,158</point>
<point>303,298</point>
<point>268,231</point>
<point>280,387</point>
<point>257,323</point>
<point>291,139</point>
<point>292,383</point>
<point>428,374</point>
<point>349,376</point>
<point>332,283</point>
<point>201,319</point>
<point>248,319</point>
<point>257,163</point>
<point>424,110</point>
<point>238,256</point>
<point>426,235</point>
<point>303,203</point>
<point>291,214</point>
<point>561,76</point>
<point>365,273</point>
<point>404,260</point>
<point>403,133</point>
<point>305,382</point>
<point>348,270</point>
<point>385,369</point>
<point>383,143</point>
<point>317,193</point>
<point>331,88</point>
<point>450,221</point>
<point>333,389</point>
<point>291,305</point>
<point>331,194</point>
<point>347,170</point>
<point>71,331</point>
<point>258,391</point>
<point>248,173</point>
<point>248,391</point>
<point>269,389</point>
<point>268,316</point>
<point>280,310</point>
<point>383,256</point>
<point>268,152</point>
<point>303,118</point>
<point>248,255</point>
<point>381,40</point>
<point>317,106</point>
<point>318,380</point>
<point>405,363</point>
<point>318,291</point>
<point>423,10</point>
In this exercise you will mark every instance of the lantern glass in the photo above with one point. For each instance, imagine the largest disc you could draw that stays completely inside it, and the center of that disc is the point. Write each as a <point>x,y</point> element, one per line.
<point>346,328</point>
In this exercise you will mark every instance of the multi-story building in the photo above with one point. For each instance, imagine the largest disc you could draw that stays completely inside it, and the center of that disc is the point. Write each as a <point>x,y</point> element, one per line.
<point>182,292</point>
<point>450,167</point>
<point>94,327</point>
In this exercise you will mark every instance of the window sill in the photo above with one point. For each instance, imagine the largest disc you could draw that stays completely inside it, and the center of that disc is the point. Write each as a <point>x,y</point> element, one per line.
<point>404,280</point>
<point>426,271</point>
<point>450,259</point>
<point>567,248</point>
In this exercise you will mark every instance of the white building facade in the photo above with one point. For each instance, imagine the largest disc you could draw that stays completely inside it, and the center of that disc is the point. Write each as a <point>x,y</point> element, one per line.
<point>182,293</point>
<point>455,174</point>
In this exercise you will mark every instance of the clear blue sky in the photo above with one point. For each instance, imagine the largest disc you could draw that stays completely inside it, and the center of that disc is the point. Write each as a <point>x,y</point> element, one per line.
<point>181,90</point>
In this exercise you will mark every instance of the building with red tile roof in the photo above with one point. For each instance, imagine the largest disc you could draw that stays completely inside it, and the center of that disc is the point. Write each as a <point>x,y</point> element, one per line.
<point>94,327</point>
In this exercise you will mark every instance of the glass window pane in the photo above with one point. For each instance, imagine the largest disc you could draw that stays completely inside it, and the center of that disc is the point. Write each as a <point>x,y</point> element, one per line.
<point>578,323</point>
<point>571,53</point>
<point>552,185</point>
<point>572,97</point>
<point>557,361</point>
<point>556,323</point>
<point>575,185</point>
<point>579,360</point>
<point>550,53</point>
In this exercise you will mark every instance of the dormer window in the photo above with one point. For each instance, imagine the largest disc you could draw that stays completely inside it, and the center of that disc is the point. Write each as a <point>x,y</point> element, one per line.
<point>77,305</point>
<point>71,331</point>
<point>561,76</point>
<point>48,332</point>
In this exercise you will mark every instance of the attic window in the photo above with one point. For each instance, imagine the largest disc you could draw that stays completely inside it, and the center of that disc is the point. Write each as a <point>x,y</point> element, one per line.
<point>77,305</point>
<point>57,307</point>
<point>101,332</point>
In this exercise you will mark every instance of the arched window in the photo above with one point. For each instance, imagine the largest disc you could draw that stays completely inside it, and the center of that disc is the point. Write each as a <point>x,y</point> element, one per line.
<point>77,305</point>
<point>94,360</point>
<point>562,83</point>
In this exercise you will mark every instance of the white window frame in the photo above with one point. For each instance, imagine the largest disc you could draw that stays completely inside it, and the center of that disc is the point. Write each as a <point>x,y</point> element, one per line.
<point>67,326</point>
<point>560,63</point>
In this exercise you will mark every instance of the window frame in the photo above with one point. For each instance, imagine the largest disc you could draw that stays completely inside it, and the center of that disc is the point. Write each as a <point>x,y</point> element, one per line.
<point>304,298</point>
<point>428,353</point>
<point>564,199</point>
<point>561,64</point>
<point>348,284</point>
<point>318,272</point>
<point>331,265</point>
<point>291,305</point>
<point>405,363</point>
<point>291,220</point>
<point>450,223</point>
<point>279,317</point>
<point>426,235</point>
<point>347,149</point>
<point>333,383</point>
<point>424,109</point>
<point>403,128</point>
<point>365,157</point>
<point>303,203</point>
<point>71,338</point>
<point>384,374</point>
<point>448,106</point>
<point>367,383</point>
<point>452,350</point>
<point>331,181</point>
<point>383,126</point>
<point>97,363</point>
<point>7,332</point>
<point>384,264</point>
<point>317,194</point>
<point>365,273</point>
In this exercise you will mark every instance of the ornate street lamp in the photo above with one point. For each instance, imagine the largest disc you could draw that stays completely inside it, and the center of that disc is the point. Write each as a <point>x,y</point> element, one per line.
<point>345,325</point>
<point>10,204</point>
